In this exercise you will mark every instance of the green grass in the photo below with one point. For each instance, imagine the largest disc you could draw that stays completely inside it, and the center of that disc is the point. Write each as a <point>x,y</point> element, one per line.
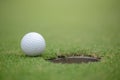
<point>69,27</point>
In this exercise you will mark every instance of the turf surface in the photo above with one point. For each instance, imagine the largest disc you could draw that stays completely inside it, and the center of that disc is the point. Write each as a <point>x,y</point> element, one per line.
<point>69,27</point>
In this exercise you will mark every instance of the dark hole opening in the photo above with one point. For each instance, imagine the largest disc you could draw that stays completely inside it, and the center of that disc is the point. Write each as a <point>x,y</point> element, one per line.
<point>74,59</point>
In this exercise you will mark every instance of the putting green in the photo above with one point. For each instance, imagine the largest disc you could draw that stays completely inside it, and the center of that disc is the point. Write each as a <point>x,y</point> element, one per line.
<point>69,27</point>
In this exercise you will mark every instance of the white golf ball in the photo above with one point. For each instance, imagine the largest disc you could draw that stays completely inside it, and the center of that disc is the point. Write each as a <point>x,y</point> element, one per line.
<point>33,44</point>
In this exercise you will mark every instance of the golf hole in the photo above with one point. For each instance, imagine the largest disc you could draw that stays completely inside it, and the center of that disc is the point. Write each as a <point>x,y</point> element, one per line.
<point>74,59</point>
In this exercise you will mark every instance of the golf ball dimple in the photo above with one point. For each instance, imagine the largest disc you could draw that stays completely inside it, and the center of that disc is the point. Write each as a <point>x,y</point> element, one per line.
<point>33,44</point>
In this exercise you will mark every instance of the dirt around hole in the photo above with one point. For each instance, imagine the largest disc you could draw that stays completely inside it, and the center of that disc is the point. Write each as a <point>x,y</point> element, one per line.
<point>74,59</point>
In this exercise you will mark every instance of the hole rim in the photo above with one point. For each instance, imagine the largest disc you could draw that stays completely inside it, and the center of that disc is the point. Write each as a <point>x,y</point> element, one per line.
<point>77,59</point>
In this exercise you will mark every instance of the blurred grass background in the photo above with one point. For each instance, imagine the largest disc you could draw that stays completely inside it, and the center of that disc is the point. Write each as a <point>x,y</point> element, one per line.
<point>66,22</point>
<point>62,20</point>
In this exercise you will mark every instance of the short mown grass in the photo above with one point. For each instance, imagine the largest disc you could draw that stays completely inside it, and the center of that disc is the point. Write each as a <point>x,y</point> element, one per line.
<point>69,28</point>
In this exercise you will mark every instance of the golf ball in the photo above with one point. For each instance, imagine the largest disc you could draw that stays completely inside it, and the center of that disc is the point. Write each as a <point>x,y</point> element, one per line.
<point>33,44</point>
